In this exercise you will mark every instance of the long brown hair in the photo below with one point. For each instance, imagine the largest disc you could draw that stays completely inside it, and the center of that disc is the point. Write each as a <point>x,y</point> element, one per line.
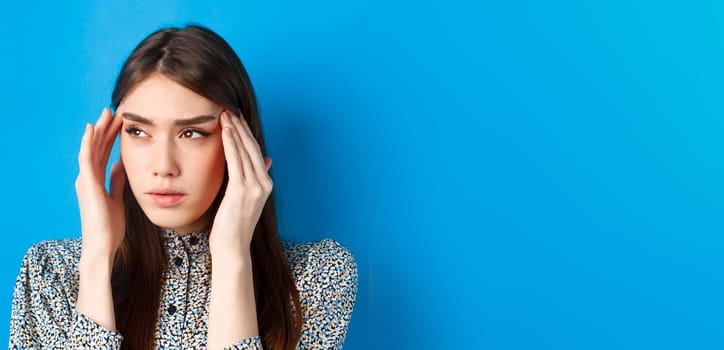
<point>203,62</point>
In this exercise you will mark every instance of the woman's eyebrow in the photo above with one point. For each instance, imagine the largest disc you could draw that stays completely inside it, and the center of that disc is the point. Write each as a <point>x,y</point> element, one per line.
<point>180,122</point>
<point>200,119</point>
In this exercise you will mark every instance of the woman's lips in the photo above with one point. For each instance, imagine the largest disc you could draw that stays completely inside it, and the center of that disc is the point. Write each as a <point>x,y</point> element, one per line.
<point>167,200</point>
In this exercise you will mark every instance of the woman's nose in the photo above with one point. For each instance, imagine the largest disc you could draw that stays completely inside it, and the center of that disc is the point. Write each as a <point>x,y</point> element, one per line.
<point>164,160</point>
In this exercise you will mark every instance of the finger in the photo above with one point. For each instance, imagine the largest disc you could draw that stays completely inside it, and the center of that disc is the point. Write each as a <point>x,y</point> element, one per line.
<point>251,161</point>
<point>243,152</point>
<point>97,151</point>
<point>255,155</point>
<point>100,128</point>
<point>110,127</point>
<point>118,179</point>
<point>103,121</point>
<point>110,137</point>
<point>230,149</point>
<point>84,156</point>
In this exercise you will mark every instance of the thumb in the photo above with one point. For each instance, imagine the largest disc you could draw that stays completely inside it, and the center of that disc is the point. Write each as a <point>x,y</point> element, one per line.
<point>118,179</point>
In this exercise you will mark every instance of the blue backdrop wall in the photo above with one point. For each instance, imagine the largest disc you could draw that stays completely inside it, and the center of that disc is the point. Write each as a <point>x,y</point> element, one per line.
<point>509,175</point>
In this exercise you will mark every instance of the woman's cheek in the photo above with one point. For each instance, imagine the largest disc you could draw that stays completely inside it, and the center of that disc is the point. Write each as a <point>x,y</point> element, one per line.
<point>212,153</point>
<point>131,156</point>
<point>214,160</point>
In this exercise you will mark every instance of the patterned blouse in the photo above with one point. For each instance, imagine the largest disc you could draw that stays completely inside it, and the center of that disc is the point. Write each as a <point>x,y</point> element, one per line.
<point>46,291</point>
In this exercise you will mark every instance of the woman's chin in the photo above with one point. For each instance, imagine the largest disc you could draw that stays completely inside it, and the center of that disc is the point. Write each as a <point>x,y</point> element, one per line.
<point>176,221</point>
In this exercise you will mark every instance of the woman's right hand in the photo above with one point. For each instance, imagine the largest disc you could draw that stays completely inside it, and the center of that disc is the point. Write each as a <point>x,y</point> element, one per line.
<point>102,215</point>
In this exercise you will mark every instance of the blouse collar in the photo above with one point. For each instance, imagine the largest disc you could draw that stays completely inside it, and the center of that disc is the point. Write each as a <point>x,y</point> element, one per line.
<point>193,241</point>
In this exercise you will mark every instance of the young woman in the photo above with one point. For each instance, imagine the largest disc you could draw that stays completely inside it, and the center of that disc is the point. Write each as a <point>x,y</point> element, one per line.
<point>183,251</point>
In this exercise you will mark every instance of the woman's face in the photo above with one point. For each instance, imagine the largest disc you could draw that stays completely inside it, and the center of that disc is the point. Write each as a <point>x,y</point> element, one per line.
<point>171,142</point>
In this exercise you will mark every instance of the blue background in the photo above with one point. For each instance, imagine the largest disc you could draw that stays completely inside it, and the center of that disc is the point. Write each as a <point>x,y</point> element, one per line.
<point>509,175</point>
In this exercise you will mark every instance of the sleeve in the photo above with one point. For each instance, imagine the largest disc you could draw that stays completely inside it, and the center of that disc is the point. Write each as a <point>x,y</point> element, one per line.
<point>253,343</point>
<point>327,296</point>
<point>43,316</point>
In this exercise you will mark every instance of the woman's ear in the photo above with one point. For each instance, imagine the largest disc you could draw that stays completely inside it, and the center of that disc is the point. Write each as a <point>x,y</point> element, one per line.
<point>268,162</point>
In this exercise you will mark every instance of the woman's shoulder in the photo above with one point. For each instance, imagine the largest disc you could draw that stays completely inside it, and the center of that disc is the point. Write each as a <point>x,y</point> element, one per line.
<point>325,274</point>
<point>50,268</point>
<point>52,247</point>
<point>319,253</point>
<point>54,254</point>
<point>324,261</point>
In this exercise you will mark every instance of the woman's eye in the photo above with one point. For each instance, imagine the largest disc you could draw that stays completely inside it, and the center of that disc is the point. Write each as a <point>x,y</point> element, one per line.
<point>134,131</point>
<point>189,133</point>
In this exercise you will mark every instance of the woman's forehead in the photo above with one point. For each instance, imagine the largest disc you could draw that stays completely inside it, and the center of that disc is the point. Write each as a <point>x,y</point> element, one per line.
<point>158,98</point>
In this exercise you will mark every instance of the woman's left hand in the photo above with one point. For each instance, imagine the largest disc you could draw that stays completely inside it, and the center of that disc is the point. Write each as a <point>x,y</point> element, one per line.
<point>246,193</point>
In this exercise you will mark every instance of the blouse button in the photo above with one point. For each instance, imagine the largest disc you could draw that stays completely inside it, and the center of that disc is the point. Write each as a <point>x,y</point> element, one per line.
<point>171,310</point>
<point>178,261</point>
